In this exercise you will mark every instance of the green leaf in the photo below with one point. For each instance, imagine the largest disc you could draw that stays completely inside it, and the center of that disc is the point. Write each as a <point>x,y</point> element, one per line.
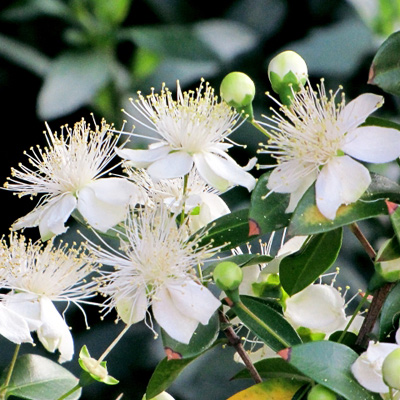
<point>273,389</point>
<point>267,213</point>
<point>308,220</point>
<point>265,322</point>
<point>202,339</point>
<point>274,368</point>
<point>38,378</point>
<point>24,56</point>
<point>385,68</point>
<point>72,81</point>
<point>298,270</point>
<point>329,364</point>
<point>382,122</point>
<point>229,231</point>
<point>394,211</point>
<point>111,12</point>
<point>390,313</point>
<point>166,372</point>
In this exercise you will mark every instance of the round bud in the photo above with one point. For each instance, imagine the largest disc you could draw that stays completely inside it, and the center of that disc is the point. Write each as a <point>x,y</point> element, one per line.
<point>287,71</point>
<point>237,89</point>
<point>94,367</point>
<point>391,369</point>
<point>228,275</point>
<point>161,396</point>
<point>319,392</point>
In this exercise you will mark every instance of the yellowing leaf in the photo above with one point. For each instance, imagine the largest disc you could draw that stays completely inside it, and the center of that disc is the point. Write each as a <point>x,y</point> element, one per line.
<point>273,389</point>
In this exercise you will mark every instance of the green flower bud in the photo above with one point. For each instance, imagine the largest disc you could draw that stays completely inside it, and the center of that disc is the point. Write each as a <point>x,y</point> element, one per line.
<point>228,275</point>
<point>319,392</point>
<point>238,91</point>
<point>391,369</point>
<point>287,71</point>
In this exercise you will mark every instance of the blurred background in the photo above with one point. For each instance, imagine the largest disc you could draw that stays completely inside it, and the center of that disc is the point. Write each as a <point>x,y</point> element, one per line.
<point>61,60</point>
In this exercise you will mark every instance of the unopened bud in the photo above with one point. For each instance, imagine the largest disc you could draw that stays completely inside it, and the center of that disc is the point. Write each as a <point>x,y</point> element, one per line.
<point>287,72</point>
<point>228,275</point>
<point>391,369</point>
<point>161,396</point>
<point>238,90</point>
<point>319,392</point>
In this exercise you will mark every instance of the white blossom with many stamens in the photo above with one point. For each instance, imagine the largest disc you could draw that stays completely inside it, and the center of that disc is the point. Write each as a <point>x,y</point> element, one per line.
<point>68,173</point>
<point>37,276</point>
<point>193,131</point>
<point>155,266</point>
<point>317,140</point>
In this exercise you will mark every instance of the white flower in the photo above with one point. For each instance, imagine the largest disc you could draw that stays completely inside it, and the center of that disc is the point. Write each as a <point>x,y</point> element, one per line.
<point>367,369</point>
<point>193,130</point>
<point>37,276</point>
<point>67,173</point>
<point>201,202</point>
<point>155,267</point>
<point>318,307</point>
<point>318,140</point>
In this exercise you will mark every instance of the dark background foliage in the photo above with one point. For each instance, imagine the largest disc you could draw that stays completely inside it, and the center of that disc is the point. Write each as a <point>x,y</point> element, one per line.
<point>62,60</point>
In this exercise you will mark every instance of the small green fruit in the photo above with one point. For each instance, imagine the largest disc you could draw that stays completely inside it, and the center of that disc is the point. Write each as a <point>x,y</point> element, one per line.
<point>391,369</point>
<point>228,275</point>
<point>319,392</point>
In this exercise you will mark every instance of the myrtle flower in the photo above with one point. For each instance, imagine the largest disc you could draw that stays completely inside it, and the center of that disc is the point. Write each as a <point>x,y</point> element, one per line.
<point>193,131</point>
<point>68,174</point>
<point>201,202</point>
<point>37,276</point>
<point>155,267</point>
<point>317,140</point>
<point>367,369</point>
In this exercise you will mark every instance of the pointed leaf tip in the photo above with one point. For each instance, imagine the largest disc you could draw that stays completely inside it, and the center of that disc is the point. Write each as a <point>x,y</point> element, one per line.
<point>371,75</point>
<point>392,207</point>
<point>285,353</point>
<point>254,228</point>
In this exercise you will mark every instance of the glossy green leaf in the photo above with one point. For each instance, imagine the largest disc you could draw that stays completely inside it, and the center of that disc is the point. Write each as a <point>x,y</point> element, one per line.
<point>308,220</point>
<point>298,270</point>
<point>394,214</point>
<point>38,378</point>
<point>329,363</point>
<point>385,68</point>
<point>71,82</point>
<point>273,389</point>
<point>382,122</point>
<point>229,231</point>
<point>267,213</point>
<point>266,322</point>
<point>390,313</point>
<point>202,339</point>
<point>273,368</point>
<point>166,372</point>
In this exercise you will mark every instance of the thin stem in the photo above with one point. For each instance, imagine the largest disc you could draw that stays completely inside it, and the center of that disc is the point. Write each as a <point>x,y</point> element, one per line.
<point>74,389</point>
<point>10,371</point>
<point>355,229</point>
<point>185,183</point>
<point>357,310</point>
<point>113,344</point>
<point>260,128</point>
<point>373,313</point>
<point>235,341</point>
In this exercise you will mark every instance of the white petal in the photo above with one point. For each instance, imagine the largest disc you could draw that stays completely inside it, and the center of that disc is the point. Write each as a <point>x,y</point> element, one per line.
<point>318,307</point>
<point>341,181</point>
<point>133,311</point>
<point>13,326</point>
<point>173,165</point>
<point>143,158</point>
<point>193,300</point>
<point>100,204</point>
<point>367,369</point>
<point>291,176</point>
<point>228,169</point>
<point>209,175</point>
<point>54,332</point>
<point>27,306</point>
<point>357,111</point>
<point>179,326</point>
<point>297,194</point>
<point>373,144</point>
